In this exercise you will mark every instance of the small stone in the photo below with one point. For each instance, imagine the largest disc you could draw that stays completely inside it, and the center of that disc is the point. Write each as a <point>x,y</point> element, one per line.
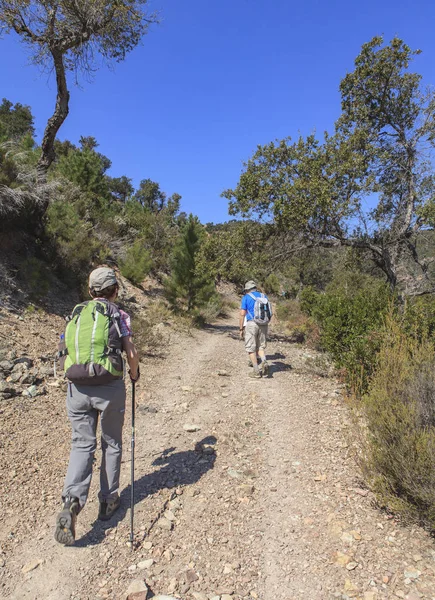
<point>136,586</point>
<point>191,427</point>
<point>191,576</point>
<point>131,569</point>
<point>247,489</point>
<point>356,535</point>
<point>351,566</point>
<point>223,373</point>
<point>225,394</point>
<point>169,515</point>
<point>347,537</point>
<point>234,474</point>
<point>411,574</point>
<point>341,559</point>
<point>199,596</point>
<point>34,564</point>
<point>145,564</point>
<point>147,545</point>
<point>2,562</point>
<point>227,569</point>
<point>137,596</point>
<point>226,597</point>
<point>163,523</point>
<point>399,593</point>
<point>187,388</point>
<point>168,555</point>
<point>370,596</point>
<point>417,557</point>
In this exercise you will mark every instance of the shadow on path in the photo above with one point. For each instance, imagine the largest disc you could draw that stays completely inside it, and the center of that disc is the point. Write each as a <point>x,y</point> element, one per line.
<point>177,469</point>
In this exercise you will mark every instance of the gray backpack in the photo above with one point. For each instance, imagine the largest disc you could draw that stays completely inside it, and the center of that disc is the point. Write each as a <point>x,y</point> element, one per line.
<point>262,309</point>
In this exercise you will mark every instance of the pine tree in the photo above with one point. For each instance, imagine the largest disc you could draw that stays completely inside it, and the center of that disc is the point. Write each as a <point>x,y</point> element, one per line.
<point>186,286</point>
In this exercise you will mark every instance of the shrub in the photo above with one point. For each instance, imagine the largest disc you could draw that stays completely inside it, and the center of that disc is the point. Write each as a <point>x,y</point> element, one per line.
<point>272,285</point>
<point>35,274</point>
<point>400,412</point>
<point>74,245</point>
<point>350,321</point>
<point>209,312</point>
<point>290,320</point>
<point>137,263</point>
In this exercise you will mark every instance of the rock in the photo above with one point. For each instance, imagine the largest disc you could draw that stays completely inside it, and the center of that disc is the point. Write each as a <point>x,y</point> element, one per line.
<point>145,564</point>
<point>351,566</point>
<point>32,392</point>
<point>138,596</point>
<point>226,597</point>
<point>411,573</point>
<point>27,378</point>
<point>24,360</point>
<point>370,596</point>
<point>6,366</point>
<point>191,576</point>
<point>2,562</point>
<point>223,373</point>
<point>341,559</point>
<point>163,523</point>
<point>168,555</point>
<point>160,597</point>
<point>199,596</point>
<point>7,388</point>
<point>136,586</point>
<point>247,489</point>
<point>169,515</point>
<point>234,474</point>
<point>186,388</point>
<point>347,537</point>
<point>34,564</point>
<point>147,545</point>
<point>191,428</point>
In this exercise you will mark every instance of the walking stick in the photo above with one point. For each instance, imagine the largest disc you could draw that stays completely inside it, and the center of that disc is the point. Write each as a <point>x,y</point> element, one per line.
<point>133,402</point>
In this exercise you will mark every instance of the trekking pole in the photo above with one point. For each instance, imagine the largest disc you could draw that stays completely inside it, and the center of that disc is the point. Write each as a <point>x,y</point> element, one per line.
<point>133,402</point>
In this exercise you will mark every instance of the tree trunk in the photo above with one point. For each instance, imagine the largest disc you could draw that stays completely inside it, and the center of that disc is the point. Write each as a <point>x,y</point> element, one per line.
<point>53,125</point>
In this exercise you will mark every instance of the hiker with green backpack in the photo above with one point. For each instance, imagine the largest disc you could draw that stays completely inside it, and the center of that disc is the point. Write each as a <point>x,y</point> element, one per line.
<point>96,335</point>
<point>255,316</point>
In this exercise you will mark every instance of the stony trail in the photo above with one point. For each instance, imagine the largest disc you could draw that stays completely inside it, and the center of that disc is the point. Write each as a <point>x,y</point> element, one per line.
<point>261,500</point>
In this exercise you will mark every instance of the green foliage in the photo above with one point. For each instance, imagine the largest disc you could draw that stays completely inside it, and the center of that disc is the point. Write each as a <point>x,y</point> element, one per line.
<point>36,277</point>
<point>137,263</point>
<point>292,321</point>
<point>16,121</point>
<point>186,287</point>
<point>75,247</point>
<point>350,315</point>
<point>400,414</point>
<point>311,191</point>
<point>272,284</point>
<point>86,169</point>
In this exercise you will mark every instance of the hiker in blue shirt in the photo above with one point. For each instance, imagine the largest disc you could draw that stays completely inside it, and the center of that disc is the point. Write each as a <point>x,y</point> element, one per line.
<point>255,315</point>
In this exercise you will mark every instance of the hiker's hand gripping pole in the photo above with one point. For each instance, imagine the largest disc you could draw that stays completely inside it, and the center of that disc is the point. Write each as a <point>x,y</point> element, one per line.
<point>133,403</point>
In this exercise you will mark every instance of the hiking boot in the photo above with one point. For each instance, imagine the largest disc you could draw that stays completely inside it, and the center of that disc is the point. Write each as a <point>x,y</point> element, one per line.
<point>66,522</point>
<point>264,368</point>
<point>255,374</point>
<point>108,507</point>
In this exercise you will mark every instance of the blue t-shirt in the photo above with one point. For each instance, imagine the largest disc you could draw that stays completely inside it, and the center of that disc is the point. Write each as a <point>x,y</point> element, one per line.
<point>248,304</point>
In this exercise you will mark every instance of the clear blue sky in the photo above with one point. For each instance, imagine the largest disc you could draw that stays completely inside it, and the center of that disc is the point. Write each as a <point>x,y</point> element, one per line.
<point>215,79</point>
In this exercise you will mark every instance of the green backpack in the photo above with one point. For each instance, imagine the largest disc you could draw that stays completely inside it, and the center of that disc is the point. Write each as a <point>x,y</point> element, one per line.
<point>93,346</point>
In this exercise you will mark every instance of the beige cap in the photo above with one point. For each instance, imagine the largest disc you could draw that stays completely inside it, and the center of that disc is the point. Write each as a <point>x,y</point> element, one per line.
<point>102,278</point>
<point>250,285</point>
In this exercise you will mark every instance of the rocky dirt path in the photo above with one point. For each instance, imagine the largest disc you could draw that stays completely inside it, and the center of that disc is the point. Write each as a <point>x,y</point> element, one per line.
<point>244,489</point>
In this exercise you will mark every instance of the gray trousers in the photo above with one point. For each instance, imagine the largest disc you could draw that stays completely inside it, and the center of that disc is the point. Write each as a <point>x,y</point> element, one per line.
<point>85,403</point>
